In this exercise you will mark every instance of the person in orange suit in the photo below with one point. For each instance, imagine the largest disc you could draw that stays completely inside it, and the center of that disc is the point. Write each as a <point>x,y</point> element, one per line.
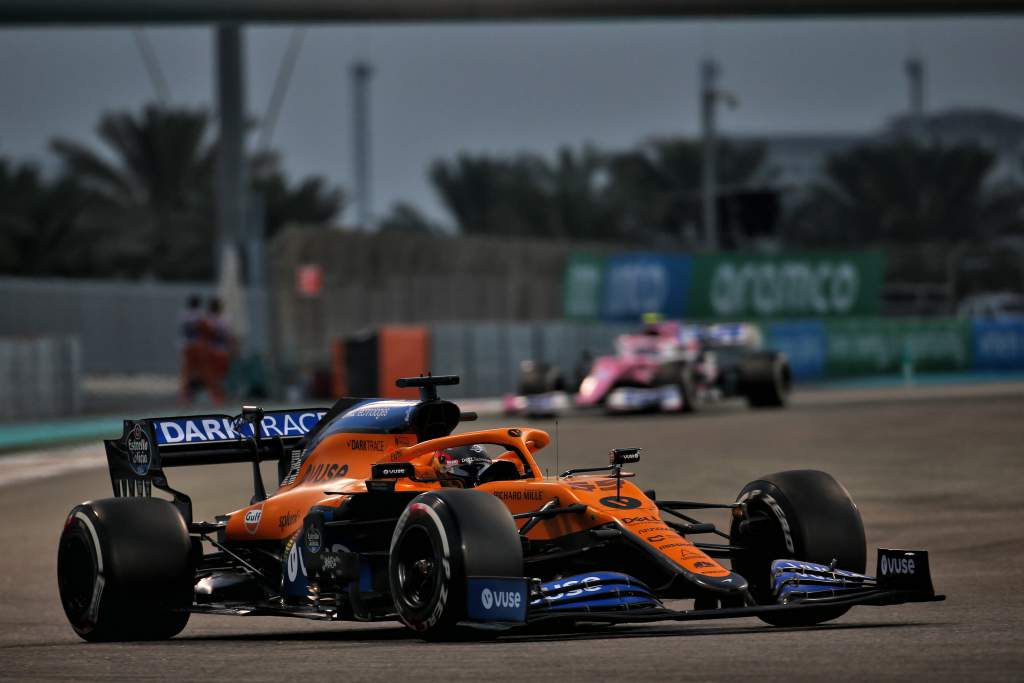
<point>191,347</point>
<point>219,348</point>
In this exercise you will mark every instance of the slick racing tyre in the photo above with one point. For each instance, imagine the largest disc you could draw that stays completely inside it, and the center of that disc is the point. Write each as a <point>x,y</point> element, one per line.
<point>442,538</point>
<point>125,570</point>
<point>684,376</point>
<point>801,515</point>
<point>766,379</point>
<point>539,378</point>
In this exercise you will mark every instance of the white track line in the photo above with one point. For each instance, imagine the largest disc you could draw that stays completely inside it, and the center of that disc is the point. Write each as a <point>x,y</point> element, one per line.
<point>21,468</point>
<point>54,462</point>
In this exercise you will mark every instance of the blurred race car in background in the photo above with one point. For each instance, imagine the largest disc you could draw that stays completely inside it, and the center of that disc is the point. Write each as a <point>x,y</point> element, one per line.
<point>670,367</point>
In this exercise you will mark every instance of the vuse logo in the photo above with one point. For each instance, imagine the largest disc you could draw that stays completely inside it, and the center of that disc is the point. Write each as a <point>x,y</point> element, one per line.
<point>506,599</point>
<point>894,565</point>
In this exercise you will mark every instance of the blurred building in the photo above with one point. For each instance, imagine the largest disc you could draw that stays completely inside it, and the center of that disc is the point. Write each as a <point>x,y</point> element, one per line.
<point>1000,133</point>
<point>796,161</point>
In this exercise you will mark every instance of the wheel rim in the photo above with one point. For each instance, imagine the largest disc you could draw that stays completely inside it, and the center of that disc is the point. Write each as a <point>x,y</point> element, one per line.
<point>76,574</point>
<point>691,392</point>
<point>762,542</point>
<point>418,568</point>
<point>782,380</point>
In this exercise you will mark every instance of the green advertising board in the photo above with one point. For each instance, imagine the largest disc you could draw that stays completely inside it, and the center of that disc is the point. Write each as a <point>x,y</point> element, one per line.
<point>803,284</point>
<point>584,278</point>
<point>876,346</point>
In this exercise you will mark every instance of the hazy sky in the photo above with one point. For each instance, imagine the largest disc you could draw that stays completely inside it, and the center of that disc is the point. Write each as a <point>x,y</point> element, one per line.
<point>439,89</point>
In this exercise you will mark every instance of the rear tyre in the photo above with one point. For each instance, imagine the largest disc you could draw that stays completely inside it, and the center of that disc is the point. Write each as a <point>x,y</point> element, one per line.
<point>125,570</point>
<point>766,379</point>
<point>801,515</point>
<point>442,538</point>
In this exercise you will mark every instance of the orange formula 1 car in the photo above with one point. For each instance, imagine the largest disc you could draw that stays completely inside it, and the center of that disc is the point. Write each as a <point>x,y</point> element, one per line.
<point>381,513</point>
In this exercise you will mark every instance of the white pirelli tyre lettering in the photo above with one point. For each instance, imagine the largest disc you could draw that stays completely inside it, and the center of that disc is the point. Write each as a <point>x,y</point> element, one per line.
<point>442,598</point>
<point>97,589</point>
<point>777,510</point>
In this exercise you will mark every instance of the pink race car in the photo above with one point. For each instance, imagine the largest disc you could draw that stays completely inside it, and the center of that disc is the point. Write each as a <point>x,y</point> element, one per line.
<point>669,367</point>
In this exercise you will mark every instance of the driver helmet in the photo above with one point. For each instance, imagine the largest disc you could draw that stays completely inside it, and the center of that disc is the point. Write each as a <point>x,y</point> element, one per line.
<point>462,463</point>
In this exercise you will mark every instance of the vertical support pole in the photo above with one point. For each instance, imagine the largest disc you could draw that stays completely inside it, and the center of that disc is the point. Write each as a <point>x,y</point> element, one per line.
<point>232,177</point>
<point>361,74</point>
<point>915,78</point>
<point>257,297</point>
<point>709,191</point>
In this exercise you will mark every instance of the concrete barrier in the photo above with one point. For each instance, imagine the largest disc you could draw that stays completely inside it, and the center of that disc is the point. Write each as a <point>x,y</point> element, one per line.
<point>40,377</point>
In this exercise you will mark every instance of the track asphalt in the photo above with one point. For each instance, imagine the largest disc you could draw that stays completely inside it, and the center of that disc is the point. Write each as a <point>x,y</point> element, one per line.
<point>936,469</point>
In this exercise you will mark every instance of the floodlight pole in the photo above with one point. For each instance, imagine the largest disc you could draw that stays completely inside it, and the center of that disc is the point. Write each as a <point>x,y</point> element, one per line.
<point>361,74</point>
<point>915,81</point>
<point>239,216</point>
<point>232,181</point>
<point>708,178</point>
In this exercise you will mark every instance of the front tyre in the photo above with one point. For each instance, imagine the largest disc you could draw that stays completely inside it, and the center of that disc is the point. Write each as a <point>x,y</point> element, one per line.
<point>801,515</point>
<point>684,376</point>
<point>125,570</point>
<point>766,379</point>
<point>442,538</point>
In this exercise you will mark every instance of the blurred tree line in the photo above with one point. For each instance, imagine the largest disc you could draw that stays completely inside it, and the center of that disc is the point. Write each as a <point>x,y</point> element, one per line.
<point>893,190</point>
<point>649,195</point>
<point>904,192</point>
<point>141,204</point>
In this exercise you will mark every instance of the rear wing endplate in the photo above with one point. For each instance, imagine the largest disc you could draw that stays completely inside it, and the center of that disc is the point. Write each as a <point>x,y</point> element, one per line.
<point>137,459</point>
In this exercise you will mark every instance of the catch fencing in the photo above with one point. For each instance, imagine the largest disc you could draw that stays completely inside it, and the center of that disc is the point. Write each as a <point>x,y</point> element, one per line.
<point>123,327</point>
<point>382,279</point>
<point>39,377</point>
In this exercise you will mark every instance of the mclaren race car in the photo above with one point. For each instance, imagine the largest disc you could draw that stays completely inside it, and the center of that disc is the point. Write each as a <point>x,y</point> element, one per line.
<point>668,367</point>
<point>382,513</point>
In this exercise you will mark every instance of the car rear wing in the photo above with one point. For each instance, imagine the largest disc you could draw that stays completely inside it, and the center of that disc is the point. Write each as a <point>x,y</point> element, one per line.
<point>137,459</point>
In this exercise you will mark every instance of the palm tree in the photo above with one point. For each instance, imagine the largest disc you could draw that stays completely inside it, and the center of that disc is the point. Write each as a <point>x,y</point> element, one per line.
<point>310,202</point>
<point>153,189</point>
<point>658,184</point>
<point>37,222</point>
<point>896,192</point>
<point>528,195</point>
<point>473,189</point>
<point>584,209</point>
<point>406,219</point>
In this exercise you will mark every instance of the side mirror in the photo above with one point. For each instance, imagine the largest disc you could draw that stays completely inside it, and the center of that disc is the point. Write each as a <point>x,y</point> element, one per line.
<point>252,414</point>
<point>624,456</point>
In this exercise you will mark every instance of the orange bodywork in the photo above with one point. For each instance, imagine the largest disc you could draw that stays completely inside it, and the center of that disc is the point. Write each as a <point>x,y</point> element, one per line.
<point>340,465</point>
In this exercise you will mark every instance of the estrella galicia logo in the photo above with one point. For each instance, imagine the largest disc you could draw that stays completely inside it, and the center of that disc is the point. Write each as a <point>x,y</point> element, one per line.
<point>314,539</point>
<point>139,450</point>
<point>620,502</point>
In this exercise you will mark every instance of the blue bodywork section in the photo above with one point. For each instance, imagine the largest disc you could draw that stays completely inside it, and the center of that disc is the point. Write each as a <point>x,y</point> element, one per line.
<point>204,429</point>
<point>793,580</point>
<point>373,416</point>
<point>601,591</point>
<point>490,600</point>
